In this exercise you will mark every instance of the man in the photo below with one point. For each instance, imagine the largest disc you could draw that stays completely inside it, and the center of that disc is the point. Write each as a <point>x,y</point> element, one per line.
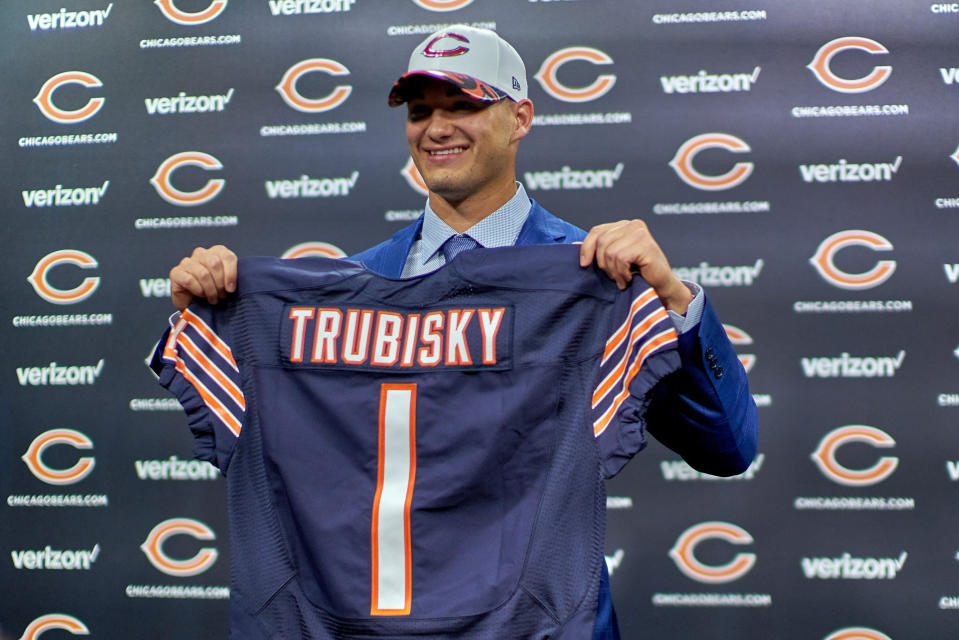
<point>467,111</point>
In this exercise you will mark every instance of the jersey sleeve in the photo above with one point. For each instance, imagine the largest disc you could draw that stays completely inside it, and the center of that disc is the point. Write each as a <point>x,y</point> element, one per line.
<point>639,350</point>
<point>197,366</point>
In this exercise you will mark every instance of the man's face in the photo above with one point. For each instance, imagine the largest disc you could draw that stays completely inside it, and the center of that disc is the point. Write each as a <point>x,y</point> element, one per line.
<point>461,146</point>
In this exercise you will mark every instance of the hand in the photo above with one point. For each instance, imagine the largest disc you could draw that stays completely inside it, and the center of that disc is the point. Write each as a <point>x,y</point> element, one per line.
<point>619,246</point>
<point>207,273</point>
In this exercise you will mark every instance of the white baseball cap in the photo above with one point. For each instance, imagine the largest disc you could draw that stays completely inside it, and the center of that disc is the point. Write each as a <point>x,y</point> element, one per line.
<point>478,61</point>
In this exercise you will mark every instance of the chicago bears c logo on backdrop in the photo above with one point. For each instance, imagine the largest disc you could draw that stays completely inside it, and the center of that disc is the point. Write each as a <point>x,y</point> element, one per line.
<point>82,259</point>
<point>442,5</point>
<point>857,633</point>
<point>166,190</point>
<point>546,76</point>
<point>170,10</point>
<point>821,69</point>
<point>683,552</point>
<point>153,547</point>
<point>739,337</point>
<point>413,178</point>
<point>823,260</point>
<point>682,162</point>
<point>295,99</point>
<point>54,621</point>
<point>313,250</point>
<point>44,99</point>
<point>825,455</point>
<point>34,457</point>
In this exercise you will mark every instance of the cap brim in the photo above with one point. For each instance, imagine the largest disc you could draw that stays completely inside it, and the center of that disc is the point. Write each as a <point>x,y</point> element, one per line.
<point>474,88</point>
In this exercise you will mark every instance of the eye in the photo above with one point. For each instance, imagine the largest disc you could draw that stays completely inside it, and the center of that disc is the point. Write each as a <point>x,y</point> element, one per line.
<point>417,112</point>
<point>466,105</point>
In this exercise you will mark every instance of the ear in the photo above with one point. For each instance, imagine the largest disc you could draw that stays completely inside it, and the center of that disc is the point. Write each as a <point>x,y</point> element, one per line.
<point>523,118</point>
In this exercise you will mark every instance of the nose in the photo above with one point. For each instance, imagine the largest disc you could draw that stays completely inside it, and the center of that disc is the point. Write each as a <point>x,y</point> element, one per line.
<point>440,125</point>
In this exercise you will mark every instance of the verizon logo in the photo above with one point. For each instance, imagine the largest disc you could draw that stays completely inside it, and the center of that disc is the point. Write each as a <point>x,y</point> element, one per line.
<point>847,366</point>
<point>710,276</point>
<point>949,75</point>
<point>59,196</point>
<point>155,287</point>
<point>678,470</point>
<point>846,567</point>
<point>844,171</point>
<point>614,561</point>
<point>299,7</point>
<point>952,272</point>
<point>704,82</point>
<point>175,469</point>
<point>68,19</point>
<point>307,187</point>
<point>55,559</point>
<point>58,375</point>
<point>182,103</point>
<point>567,178</point>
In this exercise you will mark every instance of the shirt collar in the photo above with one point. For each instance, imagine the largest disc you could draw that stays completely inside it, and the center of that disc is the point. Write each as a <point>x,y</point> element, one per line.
<point>498,229</point>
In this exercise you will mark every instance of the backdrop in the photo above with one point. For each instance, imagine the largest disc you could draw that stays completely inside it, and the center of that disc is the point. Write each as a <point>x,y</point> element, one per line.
<point>799,159</point>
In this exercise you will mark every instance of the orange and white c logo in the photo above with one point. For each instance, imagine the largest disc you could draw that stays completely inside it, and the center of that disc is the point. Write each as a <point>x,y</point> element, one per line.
<point>857,633</point>
<point>825,455</point>
<point>44,99</point>
<point>190,19</point>
<point>82,259</point>
<point>823,259</point>
<point>153,547</point>
<point>314,249</point>
<point>413,178</point>
<point>683,552</point>
<point>820,65</point>
<point>682,162</point>
<point>295,99</point>
<point>546,76</point>
<point>442,5</point>
<point>34,457</point>
<point>54,621</point>
<point>739,337</point>
<point>161,179</point>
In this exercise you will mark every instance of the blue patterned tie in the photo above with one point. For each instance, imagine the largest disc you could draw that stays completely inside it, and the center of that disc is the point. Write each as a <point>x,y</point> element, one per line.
<point>455,245</point>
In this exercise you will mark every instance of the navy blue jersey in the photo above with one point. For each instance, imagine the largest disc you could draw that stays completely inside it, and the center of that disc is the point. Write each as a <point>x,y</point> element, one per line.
<point>419,458</point>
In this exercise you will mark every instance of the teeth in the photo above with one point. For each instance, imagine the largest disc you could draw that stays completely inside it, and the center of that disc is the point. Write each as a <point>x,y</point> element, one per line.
<point>447,152</point>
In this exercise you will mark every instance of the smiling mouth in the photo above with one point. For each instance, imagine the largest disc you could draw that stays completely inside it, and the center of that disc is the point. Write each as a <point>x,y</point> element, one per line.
<point>447,152</point>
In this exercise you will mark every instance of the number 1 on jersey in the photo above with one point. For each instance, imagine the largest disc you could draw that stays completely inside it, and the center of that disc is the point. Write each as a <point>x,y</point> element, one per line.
<point>396,471</point>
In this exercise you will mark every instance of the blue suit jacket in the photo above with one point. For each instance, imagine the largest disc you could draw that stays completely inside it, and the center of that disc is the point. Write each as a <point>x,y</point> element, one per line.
<point>704,412</point>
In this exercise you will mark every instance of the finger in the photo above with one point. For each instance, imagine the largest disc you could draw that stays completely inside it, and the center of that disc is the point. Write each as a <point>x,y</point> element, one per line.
<point>587,249</point>
<point>184,287</point>
<point>210,272</point>
<point>228,262</point>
